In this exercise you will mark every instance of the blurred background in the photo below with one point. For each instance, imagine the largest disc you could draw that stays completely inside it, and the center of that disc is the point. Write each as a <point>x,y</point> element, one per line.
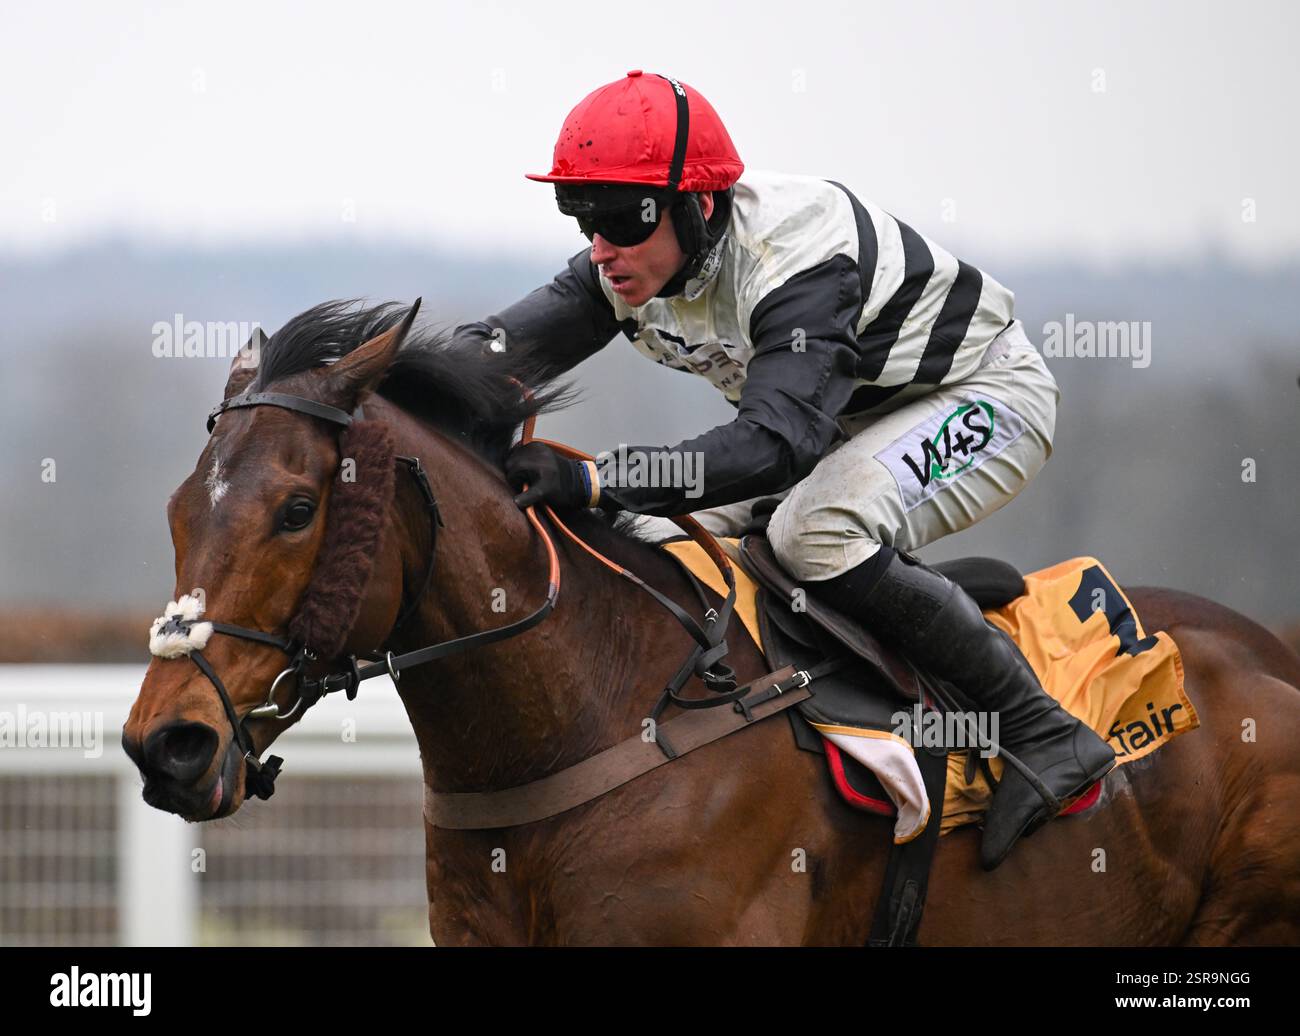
<point>234,164</point>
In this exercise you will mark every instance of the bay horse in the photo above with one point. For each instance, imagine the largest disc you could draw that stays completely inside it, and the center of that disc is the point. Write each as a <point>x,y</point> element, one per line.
<point>741,842</point>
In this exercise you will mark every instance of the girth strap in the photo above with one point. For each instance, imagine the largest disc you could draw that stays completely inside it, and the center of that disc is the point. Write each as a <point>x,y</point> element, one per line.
<point>907,874</point>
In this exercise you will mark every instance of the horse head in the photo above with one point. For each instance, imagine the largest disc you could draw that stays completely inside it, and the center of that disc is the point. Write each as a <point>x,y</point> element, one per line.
<point>292,474</point>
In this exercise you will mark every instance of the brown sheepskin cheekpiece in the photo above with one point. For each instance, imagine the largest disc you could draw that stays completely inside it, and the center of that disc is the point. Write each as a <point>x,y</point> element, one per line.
<point>358,512</point>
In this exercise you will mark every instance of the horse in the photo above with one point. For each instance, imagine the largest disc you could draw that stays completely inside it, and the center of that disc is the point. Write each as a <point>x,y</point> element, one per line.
<point>743,842</point>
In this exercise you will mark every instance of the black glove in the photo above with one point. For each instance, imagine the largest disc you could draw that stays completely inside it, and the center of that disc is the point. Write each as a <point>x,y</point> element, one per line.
<point>556,480</point>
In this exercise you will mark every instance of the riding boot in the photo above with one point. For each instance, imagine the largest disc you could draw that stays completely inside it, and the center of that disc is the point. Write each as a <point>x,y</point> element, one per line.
<point>937,625</point>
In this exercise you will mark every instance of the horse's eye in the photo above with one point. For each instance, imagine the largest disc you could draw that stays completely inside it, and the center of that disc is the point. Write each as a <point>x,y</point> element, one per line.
<point>297,515</point>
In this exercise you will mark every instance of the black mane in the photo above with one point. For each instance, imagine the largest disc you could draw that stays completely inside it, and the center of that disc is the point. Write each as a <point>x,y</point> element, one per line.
<point>458,388</point>
<point>455,387</point>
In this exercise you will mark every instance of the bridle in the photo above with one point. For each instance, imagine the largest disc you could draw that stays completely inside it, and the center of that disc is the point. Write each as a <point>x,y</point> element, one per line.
<point>705,659</point>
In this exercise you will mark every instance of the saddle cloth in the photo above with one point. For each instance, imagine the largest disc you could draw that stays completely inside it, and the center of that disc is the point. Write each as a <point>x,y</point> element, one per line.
<point>1074,625</point>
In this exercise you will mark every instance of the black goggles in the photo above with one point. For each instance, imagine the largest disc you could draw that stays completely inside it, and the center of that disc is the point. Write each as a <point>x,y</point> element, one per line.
<point>623,214</point>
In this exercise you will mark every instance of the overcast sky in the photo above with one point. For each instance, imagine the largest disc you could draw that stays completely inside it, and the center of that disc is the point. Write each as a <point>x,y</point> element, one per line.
<point>1083,130</point>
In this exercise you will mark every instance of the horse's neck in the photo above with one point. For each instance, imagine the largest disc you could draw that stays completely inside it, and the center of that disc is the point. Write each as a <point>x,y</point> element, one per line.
<point>521,708</point>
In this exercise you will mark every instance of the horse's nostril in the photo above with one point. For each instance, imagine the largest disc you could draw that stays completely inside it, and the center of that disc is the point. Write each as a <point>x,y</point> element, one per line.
<point>133,750</point>
<point>181,751</point>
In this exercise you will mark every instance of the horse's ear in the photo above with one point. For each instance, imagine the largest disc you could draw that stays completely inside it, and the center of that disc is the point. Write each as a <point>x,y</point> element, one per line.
<point>243,368</point>
<point>361,370</point>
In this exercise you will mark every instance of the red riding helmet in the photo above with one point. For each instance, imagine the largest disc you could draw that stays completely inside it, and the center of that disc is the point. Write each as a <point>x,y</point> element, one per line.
<point>645,129</point>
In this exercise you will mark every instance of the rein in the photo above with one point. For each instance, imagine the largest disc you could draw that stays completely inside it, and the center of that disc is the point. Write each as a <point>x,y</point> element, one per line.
<point>180,631</point>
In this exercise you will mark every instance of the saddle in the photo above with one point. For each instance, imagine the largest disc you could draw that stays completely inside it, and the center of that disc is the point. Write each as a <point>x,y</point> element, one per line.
<point>809,624</point>
<point>861,684</point>
<point>865,697</point>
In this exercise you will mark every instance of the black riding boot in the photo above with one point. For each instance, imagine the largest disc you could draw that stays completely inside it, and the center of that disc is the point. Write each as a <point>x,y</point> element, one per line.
<point>936,624</point>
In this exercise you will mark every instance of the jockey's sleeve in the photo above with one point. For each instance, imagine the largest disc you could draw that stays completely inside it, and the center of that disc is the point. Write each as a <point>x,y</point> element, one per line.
<point>801,374</point>
<point>557,326</point>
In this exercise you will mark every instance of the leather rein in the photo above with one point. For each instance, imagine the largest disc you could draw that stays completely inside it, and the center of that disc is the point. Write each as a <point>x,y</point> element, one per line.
<point>704,660</point>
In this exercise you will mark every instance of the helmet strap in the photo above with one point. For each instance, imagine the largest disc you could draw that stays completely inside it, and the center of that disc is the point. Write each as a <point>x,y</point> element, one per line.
<point>682,136</point>
<point>696,236</point>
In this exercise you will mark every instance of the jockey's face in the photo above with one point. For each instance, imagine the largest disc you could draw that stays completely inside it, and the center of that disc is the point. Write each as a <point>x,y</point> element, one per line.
<point>638,272</point>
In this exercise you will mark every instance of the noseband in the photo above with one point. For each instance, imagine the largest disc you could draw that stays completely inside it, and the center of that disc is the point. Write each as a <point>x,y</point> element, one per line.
<point>181,631</point>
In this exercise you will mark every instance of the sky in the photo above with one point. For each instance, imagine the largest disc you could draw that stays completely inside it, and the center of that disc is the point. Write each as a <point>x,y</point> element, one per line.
<point>1087,131</point>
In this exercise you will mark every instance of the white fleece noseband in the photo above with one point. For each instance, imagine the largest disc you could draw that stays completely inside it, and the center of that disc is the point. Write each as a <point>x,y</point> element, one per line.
<point>174,642</point>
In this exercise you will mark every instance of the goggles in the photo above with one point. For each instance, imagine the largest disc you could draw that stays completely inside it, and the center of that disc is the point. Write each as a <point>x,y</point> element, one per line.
<point>623,214</point>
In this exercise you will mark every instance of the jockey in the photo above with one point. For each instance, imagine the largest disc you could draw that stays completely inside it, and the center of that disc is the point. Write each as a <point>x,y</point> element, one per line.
<point>885,394</point>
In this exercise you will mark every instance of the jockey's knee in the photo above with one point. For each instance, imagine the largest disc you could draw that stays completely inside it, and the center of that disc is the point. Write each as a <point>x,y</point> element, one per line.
<point>816,543</point>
